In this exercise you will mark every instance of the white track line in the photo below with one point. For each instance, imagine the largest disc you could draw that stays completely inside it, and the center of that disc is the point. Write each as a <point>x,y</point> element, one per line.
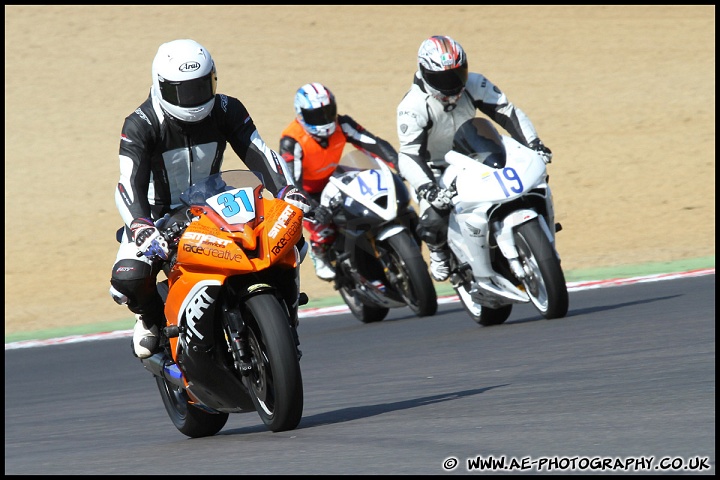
<point>324,311</point>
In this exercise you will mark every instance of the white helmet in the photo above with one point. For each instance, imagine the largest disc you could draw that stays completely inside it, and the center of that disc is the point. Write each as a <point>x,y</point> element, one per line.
<point>184,80</point>
<point>443,67</point>
<point>316,110</point>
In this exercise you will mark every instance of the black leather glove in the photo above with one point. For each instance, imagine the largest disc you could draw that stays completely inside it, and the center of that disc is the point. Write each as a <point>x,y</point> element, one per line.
<point>539,147</point>
<point>322,215</point>
<point>439,198</point>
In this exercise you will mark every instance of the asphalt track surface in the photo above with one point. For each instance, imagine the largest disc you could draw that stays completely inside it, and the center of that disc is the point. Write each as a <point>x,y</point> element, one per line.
<point>627,377</point>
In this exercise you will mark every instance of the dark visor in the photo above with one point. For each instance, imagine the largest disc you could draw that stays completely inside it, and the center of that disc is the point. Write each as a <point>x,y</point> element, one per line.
<point>449,82</point>
<point>189,93</point>
<point>320,116</point>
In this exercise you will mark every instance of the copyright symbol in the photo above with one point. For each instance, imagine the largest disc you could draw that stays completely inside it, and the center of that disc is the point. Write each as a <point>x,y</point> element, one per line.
<point>450,463</point>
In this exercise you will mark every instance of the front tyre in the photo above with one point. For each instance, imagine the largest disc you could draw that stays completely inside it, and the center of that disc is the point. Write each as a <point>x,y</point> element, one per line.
<point>275,381</point>
<point>408,273</point>
<point>544,280</point>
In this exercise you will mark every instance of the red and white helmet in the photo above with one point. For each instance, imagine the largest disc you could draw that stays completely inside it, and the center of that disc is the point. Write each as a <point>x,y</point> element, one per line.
<point>443,66</point>
<point>184,80</point>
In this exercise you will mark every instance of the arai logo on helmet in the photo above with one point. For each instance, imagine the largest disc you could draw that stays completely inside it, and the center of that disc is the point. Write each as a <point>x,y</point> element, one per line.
<point>189,66</point>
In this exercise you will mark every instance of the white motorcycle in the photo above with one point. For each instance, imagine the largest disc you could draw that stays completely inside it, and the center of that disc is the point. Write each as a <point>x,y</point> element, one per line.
<point>501,227</point>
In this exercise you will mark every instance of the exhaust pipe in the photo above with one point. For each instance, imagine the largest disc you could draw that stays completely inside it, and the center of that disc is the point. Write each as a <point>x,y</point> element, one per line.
<point>162,366</point>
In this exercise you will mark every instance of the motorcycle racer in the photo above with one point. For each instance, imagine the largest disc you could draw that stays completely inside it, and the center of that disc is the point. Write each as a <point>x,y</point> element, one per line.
<point>311,146</point>
<point>442,97</point>
<point>176,137</point>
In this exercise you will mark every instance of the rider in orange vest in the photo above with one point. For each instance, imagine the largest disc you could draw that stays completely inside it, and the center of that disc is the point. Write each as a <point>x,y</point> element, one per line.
<point>312,146</point>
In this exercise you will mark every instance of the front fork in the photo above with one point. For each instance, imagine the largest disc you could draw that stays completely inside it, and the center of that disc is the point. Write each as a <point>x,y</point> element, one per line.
<point>238,341</point>
<point>237,335</point>
<point>504,235</point>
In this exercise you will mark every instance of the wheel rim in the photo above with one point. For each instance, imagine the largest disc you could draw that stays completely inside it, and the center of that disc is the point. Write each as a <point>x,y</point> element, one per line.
<point>260,378</point>
<point>178,398</point>
<point>533,281</point>
<point>398,275</point>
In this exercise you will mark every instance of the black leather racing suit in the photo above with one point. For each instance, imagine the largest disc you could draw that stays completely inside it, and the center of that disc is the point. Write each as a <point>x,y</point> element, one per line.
<point>159,158</point>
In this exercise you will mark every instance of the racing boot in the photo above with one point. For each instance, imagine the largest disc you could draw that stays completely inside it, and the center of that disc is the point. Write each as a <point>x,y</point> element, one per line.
<point>439,263</point>
<point>323,269</point>
<point>145,337</point>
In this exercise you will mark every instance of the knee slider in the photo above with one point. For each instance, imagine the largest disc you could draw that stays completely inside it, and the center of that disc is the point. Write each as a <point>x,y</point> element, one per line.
<point>132,282</point>
<point>432,227</point>
<point>120,298</point>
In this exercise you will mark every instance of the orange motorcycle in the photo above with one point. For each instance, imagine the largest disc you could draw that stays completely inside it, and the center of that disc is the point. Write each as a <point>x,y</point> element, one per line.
<point>231,300</point>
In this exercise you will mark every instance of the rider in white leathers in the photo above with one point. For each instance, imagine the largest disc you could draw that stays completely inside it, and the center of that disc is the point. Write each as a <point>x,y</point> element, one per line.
<point>442,97</point>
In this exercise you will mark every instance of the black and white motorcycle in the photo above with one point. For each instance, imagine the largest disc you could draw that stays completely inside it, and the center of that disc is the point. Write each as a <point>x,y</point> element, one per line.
<point>377,253</point>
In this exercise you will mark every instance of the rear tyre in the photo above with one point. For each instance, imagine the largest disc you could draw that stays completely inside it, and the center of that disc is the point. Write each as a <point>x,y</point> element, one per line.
<point>187,418</point>
<point>364,313</point>
<point>485,316</point>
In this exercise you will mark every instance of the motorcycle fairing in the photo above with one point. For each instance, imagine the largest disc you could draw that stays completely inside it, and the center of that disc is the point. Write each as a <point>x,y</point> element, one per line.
<point>480,183</point>
<point>197,311</point>
<point>367,187</point>
<point>214,385</point>
<point>237,206</point>
<point>207,246</point>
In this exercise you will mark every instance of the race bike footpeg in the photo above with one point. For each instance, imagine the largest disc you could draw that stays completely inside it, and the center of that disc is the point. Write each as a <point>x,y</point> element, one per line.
<point>172,331</point>
<point>558,227</point>
<point>303,299</point>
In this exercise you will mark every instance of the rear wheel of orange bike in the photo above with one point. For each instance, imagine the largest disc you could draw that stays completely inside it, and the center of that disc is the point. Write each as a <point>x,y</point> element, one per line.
<point>187,418</point>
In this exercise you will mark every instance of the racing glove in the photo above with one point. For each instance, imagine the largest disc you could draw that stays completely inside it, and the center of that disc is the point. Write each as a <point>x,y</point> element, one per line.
<point>439,198</point>
<point>322,215</point>
<point>295,198</point>
<point>148,239</point>
<point>544,152</point>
